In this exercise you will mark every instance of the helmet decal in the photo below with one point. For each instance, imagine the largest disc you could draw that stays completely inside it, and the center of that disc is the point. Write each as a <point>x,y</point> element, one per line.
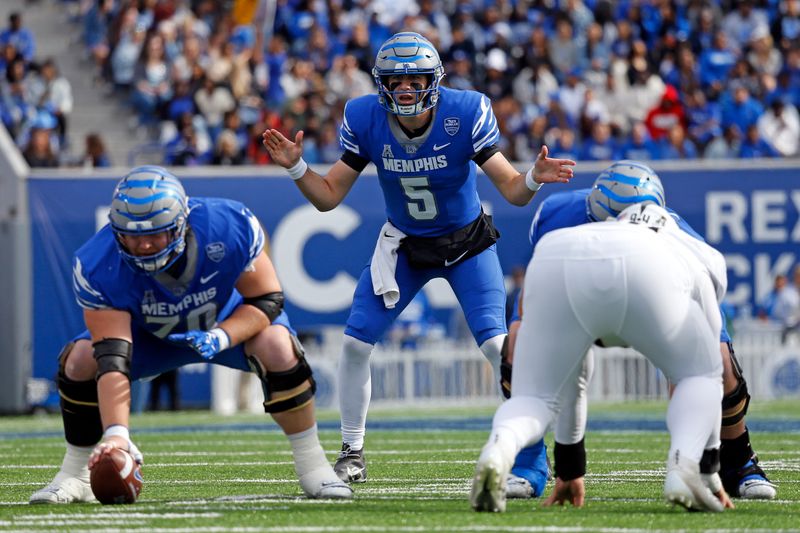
<point>622,184</point>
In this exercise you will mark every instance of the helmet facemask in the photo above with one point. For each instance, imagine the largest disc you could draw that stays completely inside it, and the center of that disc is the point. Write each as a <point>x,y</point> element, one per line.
<point>150,200</point>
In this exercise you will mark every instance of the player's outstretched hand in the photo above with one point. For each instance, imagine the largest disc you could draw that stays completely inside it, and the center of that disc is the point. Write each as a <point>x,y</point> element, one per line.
<point>206,343</point>
<point>547,170</point>
<point>571,491</point>
<point>283,151</point>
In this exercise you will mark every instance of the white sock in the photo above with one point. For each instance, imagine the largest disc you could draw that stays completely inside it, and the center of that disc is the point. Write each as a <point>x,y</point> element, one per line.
<point>355,390</point>
<point>694,415</point>
<point>491,350</point>
<point>75,463</point>
<point>307,451</point>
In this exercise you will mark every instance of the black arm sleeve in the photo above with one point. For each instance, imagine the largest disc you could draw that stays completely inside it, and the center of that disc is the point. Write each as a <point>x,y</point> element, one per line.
<point>484,155</point>
<point>354,161</point>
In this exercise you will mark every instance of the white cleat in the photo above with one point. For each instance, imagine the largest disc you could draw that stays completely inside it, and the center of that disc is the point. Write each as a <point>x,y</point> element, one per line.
<point>757,489</point>
<point>324,484</point>
<point>489,484</point>
<point>518,488</point>
<point>64,490</point>
<point>684,486</point>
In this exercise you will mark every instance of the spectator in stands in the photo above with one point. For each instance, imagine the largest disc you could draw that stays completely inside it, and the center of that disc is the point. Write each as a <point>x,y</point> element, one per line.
<point>39,151</point>
<point>565,144</point>
<point>96,24</point>
<point>676,146</point>
<point>345,80</point>
<point>786,27</point>
<point>780,127</point>
<point>639,146</point>
<point>725,146</point>
<point>740,108</point>
<point>786,309</point>
<point>497,83</point>
<point>661,119</point>
<point>703,118</point>
<point>125,58</point>
<point>601,146</point>
<point>766,308</point>
<point>95,155</point>
<point>227,151</point>
<point>742,23</point>
<point>754,145</point>
<point>563,49</point>
<point>213,100</point>
<point>22,39</point>
<point>763,55</point>
<point>53,92</point>
<point>715,62</point>
<point>152,85</point>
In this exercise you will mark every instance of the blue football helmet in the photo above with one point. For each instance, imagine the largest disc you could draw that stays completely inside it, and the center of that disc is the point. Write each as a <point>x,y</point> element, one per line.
<point>408,53</point>
<point>148,200</point>
<point>623,184</point>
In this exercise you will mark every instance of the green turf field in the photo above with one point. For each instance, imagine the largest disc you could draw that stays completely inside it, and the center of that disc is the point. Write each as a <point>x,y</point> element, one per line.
<point>206,473</point>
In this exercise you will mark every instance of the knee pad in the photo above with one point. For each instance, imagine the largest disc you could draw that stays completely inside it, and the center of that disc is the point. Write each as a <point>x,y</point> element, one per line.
<point>275,382</point>
<point>735,404</point>
<point>79,408</point>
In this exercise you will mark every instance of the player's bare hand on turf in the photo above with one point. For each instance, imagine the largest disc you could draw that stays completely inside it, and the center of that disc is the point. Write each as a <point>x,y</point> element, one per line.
<point>571,491</point>
<point>548,170</point>
<point>283,151</point>
<point>105,447</point>
<point>723,497</point>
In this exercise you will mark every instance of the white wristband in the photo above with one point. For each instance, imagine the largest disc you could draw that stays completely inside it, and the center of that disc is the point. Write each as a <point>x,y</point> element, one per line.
<point>224,338</point>
<point>530,183</point>
<point>117,430</point>
<point>299,170</point>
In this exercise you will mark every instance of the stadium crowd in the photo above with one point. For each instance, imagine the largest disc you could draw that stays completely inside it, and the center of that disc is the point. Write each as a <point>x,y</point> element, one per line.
<point>593,79</point>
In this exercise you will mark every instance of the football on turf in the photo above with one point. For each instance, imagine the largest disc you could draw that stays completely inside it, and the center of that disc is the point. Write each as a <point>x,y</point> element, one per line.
<point>116,478</point>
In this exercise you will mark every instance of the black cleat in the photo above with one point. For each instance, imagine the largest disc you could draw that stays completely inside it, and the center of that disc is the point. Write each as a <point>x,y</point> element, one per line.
<point>351,467</point>
<point>748,482</point>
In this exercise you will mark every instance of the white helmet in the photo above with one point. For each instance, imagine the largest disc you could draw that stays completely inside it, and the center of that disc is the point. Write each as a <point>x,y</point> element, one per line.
<point>408,53</point>
<point>649,215</point>
<point>620,185</point>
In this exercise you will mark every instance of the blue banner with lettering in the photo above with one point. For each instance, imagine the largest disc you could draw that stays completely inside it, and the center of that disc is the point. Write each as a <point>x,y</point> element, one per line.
<point>752,217</point>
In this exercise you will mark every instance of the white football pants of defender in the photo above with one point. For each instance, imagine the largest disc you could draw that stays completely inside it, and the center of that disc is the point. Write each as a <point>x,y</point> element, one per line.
<point>618,286</point>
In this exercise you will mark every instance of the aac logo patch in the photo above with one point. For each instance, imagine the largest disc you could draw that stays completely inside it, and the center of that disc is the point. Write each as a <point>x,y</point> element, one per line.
<point>451,125</point>
<point>215,251</point>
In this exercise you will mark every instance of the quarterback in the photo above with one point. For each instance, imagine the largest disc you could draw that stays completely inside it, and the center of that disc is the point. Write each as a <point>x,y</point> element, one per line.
<point>426,142</point>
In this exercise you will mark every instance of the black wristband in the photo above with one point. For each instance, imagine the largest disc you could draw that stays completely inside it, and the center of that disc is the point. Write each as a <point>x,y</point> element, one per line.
<point>570,460</point>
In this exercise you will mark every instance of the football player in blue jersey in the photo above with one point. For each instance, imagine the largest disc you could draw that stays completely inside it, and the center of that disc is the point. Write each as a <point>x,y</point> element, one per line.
<point>168,282</point>
<point>622,184</point>
<point>426,142</point>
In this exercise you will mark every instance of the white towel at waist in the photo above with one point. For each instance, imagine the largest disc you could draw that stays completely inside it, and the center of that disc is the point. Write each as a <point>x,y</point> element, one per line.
<point>384,264</point>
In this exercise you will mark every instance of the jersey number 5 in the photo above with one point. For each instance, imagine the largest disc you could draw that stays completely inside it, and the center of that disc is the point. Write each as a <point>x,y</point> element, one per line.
<point>422,203</point>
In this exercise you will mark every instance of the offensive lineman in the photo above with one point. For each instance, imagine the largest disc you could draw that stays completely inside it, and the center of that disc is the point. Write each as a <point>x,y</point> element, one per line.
<point>596,281</point>
<point>426,142</point>
<point>168,282</point>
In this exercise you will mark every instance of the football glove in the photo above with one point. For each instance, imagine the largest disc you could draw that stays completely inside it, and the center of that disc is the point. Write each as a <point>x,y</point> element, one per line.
<point>206,343</point>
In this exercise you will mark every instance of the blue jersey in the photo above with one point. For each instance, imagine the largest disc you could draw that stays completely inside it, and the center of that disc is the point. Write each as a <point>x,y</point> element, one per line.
<point>568,209</point>
<point>222,240</point>
<point>428,182</point>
